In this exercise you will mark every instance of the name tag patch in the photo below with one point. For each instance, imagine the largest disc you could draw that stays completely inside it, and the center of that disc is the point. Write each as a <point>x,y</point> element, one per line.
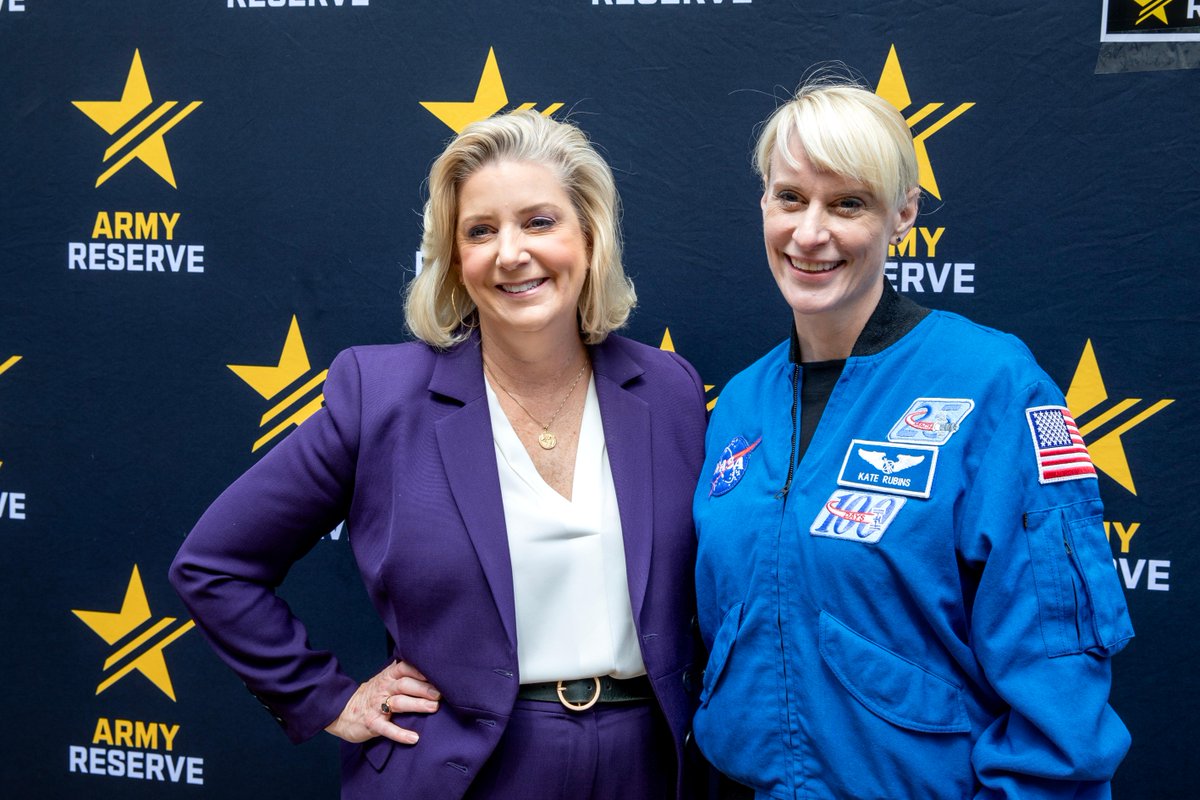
<point>931,420</point>
<point>905,469</point>
<point>857,516</point>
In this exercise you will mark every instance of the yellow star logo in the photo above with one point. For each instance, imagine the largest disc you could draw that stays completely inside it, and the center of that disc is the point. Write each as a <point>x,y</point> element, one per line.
<point>893,88</point>
<point>269,381</point>
<point>1152,8</point>
<point>490,97</point>
<point>113,115</point>
<point>668,344</point>
<point>293,362</point>
<point>1086,394</point>
<point>115,626</point>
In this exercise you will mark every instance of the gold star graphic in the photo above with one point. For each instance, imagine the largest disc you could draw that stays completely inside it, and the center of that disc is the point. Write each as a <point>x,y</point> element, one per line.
<point>113,115</point>
<point>293,362</point>
<point>893,88</point>
<point>490,97</point>
<point>114,626</point>
<point>1088,393</point>
<point>1152,8</point>
<point>269,381</point>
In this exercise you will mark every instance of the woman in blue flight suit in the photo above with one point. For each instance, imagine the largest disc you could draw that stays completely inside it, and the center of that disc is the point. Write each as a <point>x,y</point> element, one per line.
<point>903,576</point>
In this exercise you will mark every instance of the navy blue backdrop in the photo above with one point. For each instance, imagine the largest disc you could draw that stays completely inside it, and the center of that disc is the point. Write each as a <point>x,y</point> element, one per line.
<point>190,187</point>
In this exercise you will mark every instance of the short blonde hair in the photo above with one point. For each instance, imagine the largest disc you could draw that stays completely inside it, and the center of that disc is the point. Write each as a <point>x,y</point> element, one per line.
<point>436,311</point>
<point>845,129</point>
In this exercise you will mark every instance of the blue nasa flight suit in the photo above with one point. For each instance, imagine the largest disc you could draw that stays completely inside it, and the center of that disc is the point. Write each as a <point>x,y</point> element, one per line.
<point>928,609</point>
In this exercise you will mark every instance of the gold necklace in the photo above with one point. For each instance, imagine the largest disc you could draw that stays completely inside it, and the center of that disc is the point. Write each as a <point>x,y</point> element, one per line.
<point>546,438</point>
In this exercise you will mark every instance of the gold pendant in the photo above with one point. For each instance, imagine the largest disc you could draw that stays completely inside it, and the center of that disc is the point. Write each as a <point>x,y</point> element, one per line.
<point>547,440</point>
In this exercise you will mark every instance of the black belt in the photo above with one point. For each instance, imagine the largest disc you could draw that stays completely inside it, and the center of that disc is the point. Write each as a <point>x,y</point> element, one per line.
<point>583,693</point>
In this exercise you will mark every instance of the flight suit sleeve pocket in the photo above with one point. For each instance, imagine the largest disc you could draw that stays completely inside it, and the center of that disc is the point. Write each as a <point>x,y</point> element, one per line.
<point>1104,623</point>
<point>1080,604</point>
<point>722,644</point>
<point>890,686</point>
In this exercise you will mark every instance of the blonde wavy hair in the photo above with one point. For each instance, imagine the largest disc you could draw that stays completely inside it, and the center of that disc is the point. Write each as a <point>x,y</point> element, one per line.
<point>435,310</point>
<point>845,129</point>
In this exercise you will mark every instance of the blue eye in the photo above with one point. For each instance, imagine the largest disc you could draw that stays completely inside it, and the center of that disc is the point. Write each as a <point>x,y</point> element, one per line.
<point>476,231</point>
<point>541,222</point>
<point>851,204</point>
<point>787,196</point>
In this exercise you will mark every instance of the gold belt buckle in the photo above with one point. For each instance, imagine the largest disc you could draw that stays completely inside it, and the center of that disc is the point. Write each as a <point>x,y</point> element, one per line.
<point>562,698</point>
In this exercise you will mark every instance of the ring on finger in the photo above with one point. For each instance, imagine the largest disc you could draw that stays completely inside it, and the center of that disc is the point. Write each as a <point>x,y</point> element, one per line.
<point>384,707</point>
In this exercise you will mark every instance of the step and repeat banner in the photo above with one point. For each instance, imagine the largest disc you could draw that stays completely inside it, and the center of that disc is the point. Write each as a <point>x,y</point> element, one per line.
<point>201,203</point>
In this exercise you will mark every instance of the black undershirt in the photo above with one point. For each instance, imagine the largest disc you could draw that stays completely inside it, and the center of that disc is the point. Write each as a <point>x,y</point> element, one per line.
<point>893,317</point>
<point>817,379</point>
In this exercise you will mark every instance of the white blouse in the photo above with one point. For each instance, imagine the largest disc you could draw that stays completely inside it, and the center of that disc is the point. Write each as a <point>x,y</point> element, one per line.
<point>574,619</point>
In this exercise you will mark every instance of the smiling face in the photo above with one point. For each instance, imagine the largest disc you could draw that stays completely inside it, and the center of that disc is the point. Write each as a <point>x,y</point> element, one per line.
<point>826,237</point>
<point>521,250</point>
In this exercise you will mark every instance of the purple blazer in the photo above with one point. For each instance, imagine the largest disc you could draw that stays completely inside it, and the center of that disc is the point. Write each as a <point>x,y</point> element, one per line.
<point>403,452</point>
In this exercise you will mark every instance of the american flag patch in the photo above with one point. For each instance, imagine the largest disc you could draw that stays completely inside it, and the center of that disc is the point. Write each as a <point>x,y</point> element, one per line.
<point>1061,453</point>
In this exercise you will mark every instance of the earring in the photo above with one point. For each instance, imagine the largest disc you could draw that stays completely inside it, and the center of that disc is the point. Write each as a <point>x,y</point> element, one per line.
<point>463,319</point>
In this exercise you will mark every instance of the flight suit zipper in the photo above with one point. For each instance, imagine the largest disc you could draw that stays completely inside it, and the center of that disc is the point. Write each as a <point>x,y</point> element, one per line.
<point>795,433</point>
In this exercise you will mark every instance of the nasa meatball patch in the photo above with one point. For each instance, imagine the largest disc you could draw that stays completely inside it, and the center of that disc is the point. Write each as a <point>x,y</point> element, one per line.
<point>731,466</point>
<point>905,469</point>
